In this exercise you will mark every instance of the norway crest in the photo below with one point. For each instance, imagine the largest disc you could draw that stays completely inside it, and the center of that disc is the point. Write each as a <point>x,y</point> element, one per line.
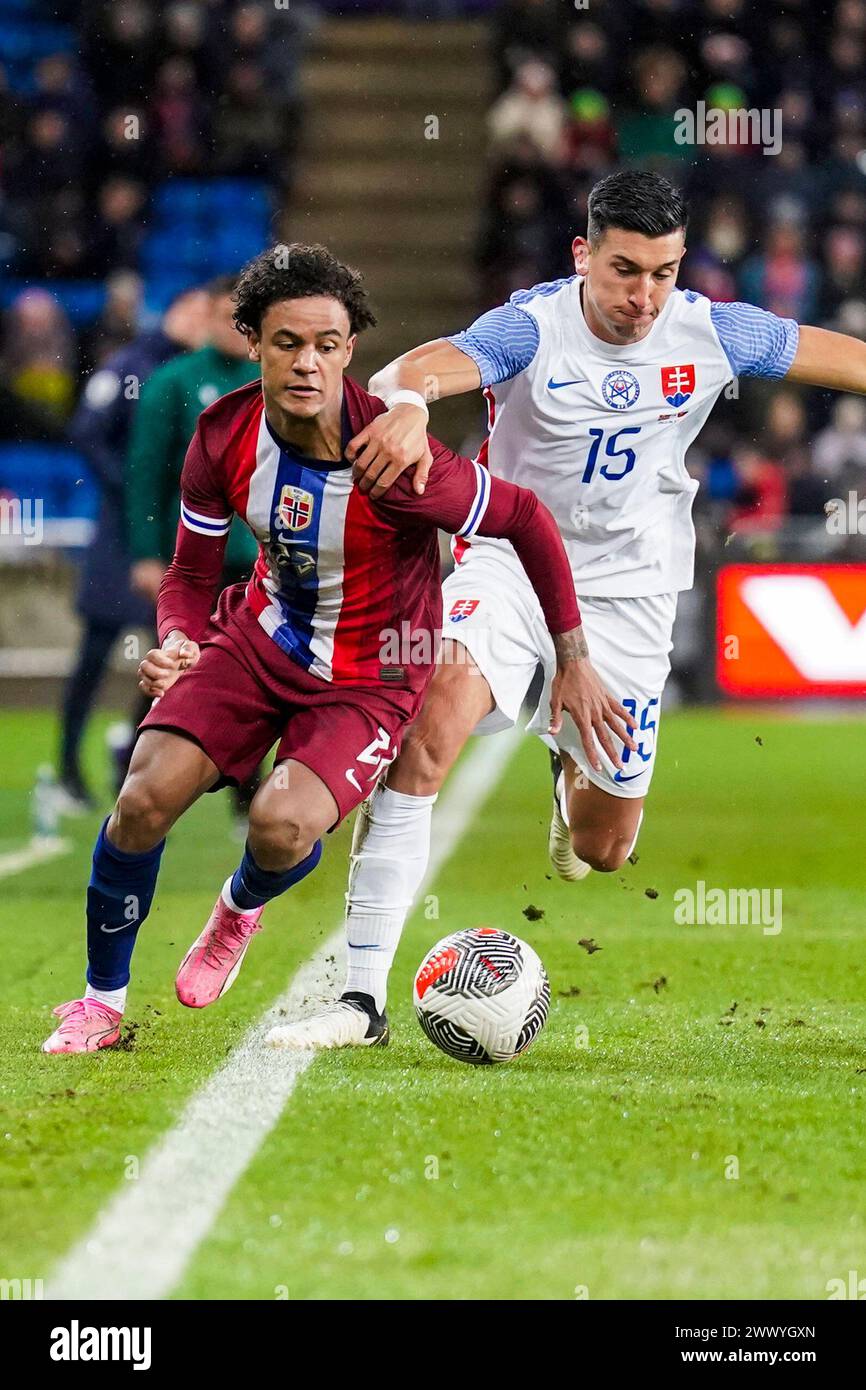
<point>678,383</point>
<point>295,508</point>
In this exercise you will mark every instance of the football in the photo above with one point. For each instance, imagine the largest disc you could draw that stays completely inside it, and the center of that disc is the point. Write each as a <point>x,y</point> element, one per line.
<point>482,995</point>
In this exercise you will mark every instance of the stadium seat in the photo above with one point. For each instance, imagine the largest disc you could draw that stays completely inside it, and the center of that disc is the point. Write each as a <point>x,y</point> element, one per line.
<point>55,474</point>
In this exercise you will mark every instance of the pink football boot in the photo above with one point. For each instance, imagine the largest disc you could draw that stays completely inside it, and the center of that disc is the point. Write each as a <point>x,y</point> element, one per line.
<point>87,1026</point>
<point>211,964</point>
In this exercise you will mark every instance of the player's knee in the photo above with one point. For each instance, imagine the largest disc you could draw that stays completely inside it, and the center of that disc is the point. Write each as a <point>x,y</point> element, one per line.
<point>141,818</point>
<point>603,853</point>
<point>279,836</point>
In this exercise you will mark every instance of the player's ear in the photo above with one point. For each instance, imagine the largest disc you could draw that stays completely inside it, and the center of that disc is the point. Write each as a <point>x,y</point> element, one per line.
<point>254,347</point>
<point>350,348</point>
<point>580,251</point>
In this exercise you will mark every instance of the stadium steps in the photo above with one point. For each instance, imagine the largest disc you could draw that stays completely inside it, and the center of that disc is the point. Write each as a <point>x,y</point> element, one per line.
<point>390,181</point>
<point>383,195</point>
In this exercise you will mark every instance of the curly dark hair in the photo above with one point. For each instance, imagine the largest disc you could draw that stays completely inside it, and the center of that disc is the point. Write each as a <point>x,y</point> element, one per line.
<point>296,271</point>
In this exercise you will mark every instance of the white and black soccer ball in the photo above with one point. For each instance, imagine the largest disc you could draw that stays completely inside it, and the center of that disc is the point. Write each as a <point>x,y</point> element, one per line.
<point>482,995</point>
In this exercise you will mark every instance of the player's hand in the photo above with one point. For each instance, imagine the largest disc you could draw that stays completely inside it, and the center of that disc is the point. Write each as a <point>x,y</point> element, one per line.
<point>146,576</point>
<point>578,688</point>
<point>161,667</point>
<point>388,446</point>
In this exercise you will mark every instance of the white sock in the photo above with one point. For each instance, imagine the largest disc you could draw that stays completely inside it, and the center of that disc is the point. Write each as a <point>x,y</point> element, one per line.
<point>114,998</point>
<point>387,867</point>
<point>229,901</point>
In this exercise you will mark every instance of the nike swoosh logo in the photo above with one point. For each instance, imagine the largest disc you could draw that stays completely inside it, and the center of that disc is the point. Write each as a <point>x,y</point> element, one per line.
<point>618,777</point>
<point>555,385</point>
<point>110,930</point>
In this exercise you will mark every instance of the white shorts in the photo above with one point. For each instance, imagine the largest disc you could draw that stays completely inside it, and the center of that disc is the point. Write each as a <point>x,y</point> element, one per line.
<point>490,608</point>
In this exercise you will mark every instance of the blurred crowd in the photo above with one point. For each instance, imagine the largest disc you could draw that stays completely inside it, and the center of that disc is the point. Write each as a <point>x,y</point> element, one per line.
<point>135,92</point>
<point>588,88</point>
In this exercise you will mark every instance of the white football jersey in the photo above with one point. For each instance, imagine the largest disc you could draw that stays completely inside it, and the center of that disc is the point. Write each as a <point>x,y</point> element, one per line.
<point>599,432</point>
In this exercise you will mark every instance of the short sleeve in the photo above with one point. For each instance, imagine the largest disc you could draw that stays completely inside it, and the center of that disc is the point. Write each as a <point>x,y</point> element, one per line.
<point>755,342</point>
<point>501,343</point>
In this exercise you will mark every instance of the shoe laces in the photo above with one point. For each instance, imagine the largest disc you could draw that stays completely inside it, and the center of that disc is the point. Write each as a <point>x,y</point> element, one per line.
<point>227,937</point>
<point>77,1009</point>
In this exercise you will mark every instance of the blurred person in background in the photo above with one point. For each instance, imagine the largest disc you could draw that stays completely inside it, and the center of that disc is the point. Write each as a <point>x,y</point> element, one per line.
<point>785,441</point>
<point>523,29</point>
<point>106,604</point>
<point>117,322</point>
<point>531,108</point>
<point>783,277</point>
<point>840,448</point>
<point>844,269</point>
<point>180,119</point>
<point>172,400</point>
<point>248,130</point>
<point>117,232</point>
<point>760,500</point>
<point>39,360</point>
<point>647,130</point>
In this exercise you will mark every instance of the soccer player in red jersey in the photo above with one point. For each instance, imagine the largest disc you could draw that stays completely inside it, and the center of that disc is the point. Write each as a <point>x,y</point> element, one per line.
<point>327,651</point>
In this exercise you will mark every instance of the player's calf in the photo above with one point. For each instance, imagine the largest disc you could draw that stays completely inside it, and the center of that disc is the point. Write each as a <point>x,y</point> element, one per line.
<point>288,815</point>
<point>602,853</point>
<point>603,827</point>
<point>167,774</point>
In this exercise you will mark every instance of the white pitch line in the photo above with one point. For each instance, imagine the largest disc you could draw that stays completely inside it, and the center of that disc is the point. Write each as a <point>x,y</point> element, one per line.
<point>143,1240</point>
<point>39,851</point>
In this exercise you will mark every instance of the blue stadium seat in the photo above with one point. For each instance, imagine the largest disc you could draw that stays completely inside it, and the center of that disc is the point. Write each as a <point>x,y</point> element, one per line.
<point>55,474</point>
<point>82,299</point>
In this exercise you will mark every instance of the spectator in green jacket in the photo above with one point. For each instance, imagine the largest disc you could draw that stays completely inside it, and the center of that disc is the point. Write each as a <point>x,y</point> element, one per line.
<point>171,401</point>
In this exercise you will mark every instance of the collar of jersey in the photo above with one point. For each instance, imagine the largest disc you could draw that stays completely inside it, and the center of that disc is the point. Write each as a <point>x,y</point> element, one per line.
<point>627,352</point>
<point>302,460</point>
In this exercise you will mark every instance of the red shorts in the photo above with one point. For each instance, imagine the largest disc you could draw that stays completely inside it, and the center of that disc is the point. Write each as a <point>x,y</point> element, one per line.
<point>244,694</point>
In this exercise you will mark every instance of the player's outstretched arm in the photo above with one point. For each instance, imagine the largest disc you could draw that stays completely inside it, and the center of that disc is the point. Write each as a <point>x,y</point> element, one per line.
<point>834,360</point>
<point>397,440</point>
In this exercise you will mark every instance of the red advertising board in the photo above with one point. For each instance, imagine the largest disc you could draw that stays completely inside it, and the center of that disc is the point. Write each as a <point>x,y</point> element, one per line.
<point>796,630</point>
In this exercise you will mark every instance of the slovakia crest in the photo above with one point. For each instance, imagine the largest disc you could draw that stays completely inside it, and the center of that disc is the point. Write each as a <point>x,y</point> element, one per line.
<point>620,389</point>
<point>295,508</point>
<point>462,608</point>
<point>678,383</point>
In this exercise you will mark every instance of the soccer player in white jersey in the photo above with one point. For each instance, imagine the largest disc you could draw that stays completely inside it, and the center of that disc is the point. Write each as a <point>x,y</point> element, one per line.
<point>596,386</point>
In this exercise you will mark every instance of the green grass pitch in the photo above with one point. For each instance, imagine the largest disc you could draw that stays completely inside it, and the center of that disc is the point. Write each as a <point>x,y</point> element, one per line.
<point>689,1124</point>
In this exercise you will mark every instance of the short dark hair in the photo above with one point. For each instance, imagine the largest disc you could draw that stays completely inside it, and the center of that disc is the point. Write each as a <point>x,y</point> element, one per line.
<point>298,272</point>
<point>635,201</point>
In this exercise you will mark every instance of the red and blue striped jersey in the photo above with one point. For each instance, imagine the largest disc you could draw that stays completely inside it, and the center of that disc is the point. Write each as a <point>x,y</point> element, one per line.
<point>338,575</point>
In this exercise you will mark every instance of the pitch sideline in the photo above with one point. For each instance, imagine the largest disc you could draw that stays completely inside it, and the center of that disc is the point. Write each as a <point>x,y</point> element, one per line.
<point>143,1240</point>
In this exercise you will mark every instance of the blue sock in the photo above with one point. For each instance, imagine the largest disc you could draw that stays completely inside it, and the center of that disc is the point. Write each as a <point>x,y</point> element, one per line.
<point>253,887</point>
<point>118,900</point>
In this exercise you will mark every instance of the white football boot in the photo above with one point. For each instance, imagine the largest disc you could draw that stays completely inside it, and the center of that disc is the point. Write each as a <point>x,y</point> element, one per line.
<point>351,1021</point>
<point>562,856</point>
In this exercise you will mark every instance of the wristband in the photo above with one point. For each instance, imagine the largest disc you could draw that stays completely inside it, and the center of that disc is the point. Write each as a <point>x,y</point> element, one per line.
<point>406,398</point>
